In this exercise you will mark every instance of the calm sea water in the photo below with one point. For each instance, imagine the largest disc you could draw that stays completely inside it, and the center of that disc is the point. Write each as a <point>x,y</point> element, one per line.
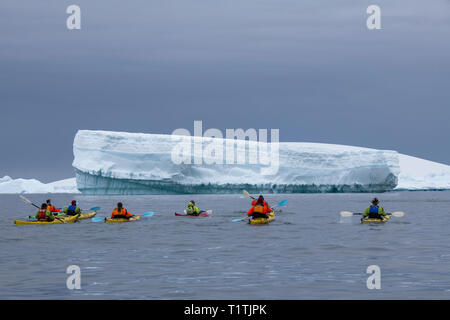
<point>308,252</point>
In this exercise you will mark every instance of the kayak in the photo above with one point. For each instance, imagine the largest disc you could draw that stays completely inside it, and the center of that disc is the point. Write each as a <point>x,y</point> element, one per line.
<point>263,220</point>
<point>116,220</point>
<point>372,220</point>
<point>202,214</point>
<point>69,219</point>
<point>82,216</point>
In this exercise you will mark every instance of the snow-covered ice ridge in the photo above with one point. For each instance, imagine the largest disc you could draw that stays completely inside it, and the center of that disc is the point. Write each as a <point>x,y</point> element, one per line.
<point>137,163</point>
<point>10,185</point>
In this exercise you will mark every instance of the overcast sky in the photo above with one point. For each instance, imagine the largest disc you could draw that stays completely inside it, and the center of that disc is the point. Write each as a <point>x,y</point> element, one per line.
<point>311,69</point>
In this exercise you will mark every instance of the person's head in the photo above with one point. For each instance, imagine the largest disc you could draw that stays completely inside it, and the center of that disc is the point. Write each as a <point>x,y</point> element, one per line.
<point>375,201</point>
<point>260,199</point>
<point>119,205</point>
<point>44,206</point>
<point>49,202</point>
<point>74,202</point>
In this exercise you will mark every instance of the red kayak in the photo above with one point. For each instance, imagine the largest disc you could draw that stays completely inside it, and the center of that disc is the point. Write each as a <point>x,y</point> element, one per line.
<point>202,214</point>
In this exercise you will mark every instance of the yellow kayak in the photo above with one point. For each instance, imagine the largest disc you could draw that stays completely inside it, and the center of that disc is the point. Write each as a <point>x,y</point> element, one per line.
<point>271,217</point>
<point>82,216</point>
<point>58,220</point>
<point>371,220</point>
<point>116,220</point>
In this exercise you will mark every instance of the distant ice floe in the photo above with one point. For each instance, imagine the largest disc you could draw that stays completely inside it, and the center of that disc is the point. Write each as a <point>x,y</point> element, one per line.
<point>9,185</point>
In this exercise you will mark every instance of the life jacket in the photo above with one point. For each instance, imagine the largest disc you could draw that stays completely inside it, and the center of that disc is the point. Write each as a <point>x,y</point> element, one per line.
<point>259,208</point>
<point>42,215</point>
<point>374,209</point>
<point>191,208</point>
<point>123,213</point>
<point>71,210</point>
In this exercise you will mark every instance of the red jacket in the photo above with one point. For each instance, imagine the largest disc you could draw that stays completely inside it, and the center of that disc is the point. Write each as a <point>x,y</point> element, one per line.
<point>52,208</point>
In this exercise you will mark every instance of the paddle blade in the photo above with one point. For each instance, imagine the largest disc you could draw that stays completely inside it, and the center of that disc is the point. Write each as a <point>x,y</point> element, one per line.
<point>245,193</point>
<point>25,199</point>
<point>28,201</point>
<point>95,209</point>
<point>148,214</point>
<point>97,219</point>
<point>346,214</point>
<point>236,220</point>
<point>398,214</point>
<point>282,203</point>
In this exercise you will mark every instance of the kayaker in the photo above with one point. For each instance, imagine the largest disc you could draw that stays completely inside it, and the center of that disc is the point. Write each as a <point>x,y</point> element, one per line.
<point>73,209</point>
<point>44,214</point>
<point>191,209</point>
<point>374,211</point>
<point>259,208</point>
<point>121,212</point>
<point>51,207</point>
<point>260,199</point>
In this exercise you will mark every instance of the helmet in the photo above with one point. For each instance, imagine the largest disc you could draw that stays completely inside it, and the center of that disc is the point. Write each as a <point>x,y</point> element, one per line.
<point>48,201</point>
<point>74,202</point>
<point>375,201</point>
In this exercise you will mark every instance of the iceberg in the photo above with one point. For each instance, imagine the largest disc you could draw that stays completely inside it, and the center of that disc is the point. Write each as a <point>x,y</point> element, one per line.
<point>138,163</point>
<point>9,185</point>
<point>420,174</point>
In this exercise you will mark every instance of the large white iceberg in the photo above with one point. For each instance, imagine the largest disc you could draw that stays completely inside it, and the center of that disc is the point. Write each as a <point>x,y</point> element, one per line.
<point>10,185</point>
<point>136,163</point>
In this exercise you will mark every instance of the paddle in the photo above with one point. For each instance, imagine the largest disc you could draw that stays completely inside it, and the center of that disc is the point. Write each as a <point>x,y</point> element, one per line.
<point>397,214</point>
<point>245,192</point>
<point>145,214</point>
<point>28,201</point>
<point>280,204</point>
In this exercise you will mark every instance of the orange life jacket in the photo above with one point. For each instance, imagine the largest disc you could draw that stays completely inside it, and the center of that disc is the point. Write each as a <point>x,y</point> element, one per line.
<point>262,208</point>
<point>124,213</point>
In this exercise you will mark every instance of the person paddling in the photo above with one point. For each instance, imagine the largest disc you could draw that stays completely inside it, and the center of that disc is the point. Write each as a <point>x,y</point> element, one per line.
<point>191,209</point>
<point>51,207</point>
<point>121,212</point>
<point>44,214</point>
<point>259,208</point>
<point>73,209</point>
<point>374,211</point>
